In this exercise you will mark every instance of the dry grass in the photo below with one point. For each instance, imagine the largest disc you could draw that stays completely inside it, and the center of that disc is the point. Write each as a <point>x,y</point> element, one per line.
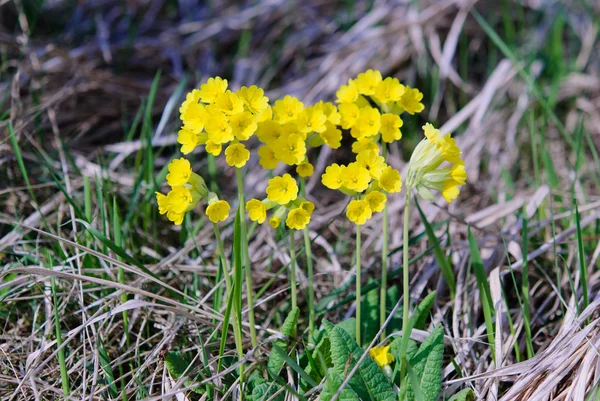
<point>529,128</point>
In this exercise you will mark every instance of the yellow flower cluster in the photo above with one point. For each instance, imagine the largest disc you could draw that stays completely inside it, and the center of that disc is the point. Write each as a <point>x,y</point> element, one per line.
<point>382,355</point>
<point>187,189</point>
<point>214,116</point>
<point>367,179</point>
<point>293,129</point>
<point>426,172</point>
<point>282,195</point>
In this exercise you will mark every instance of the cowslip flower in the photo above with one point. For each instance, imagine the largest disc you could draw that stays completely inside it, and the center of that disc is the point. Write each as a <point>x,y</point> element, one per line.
<point>359,211</point>
<point>436,165</point>
<point>381,355</point>
<point>236,155</point>
<point>217,210</point>
<point>282,189</point>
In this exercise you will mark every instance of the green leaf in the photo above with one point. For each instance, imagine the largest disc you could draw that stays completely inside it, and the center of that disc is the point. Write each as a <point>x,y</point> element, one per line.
<point>288,329</point>
<point>369,381</point>
<point>332,384</point>
<point>105,363</point>
<point>370,316</point>
<point>417,317</point>
<point>427,365</point>
<point>322,352</point>
<point>463,395</point>
<point>266,390</point>
<point>177,367</point>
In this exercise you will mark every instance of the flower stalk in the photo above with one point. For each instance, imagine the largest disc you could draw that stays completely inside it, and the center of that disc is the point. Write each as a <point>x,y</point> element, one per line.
<point>384,261</point>
<point>358,286</point>
<point>293,288</point>
<point>405,278</point>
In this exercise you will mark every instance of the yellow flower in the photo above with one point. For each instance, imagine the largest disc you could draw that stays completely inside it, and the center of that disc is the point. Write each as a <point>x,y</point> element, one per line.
<point>243,125</point>
<point>229,103</point>
<point>267,157</point>
<point>311,119</point>
<point>358,211</point>
<point>218,129</point>
<point>180,172</point>
<point>265,115</point>
<point>287,109</point>
<point>355,177</point>
<point>332,178</point>
<point>376,201</point>
<point>330,112</point>
<point>349,113</point>
<point>254,98</point>
<point>308,206</point>
<point>290,149</point>
<point>236,155</point>
<point>163,204</point>
<point>274,221</point>
<point>257,211</point>
<point>382,355</point>
<point>367,81</point>
<point>182,199</point>
<point>332,136</point>
<point>347,93</point>
<point>282,189</point>
<point>176,218</point>
<point>364,144</point>
<point>189,140</point>
<point>390,127</point>
<point>371,160</point>
<point>211,89</point>
<point>390,180</point>
<point>269,131</point>
<point>193,117</point>
<point>191,97</point>
<point>389,90</point>
<point>218,211</point>
<point>367,124</point>
<point>213,148</point>
<point>297,219</point>
<point>411,101</point>
<point>305,169</point>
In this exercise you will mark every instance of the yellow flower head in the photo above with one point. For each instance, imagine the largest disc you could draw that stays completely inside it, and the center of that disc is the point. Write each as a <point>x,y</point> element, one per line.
<point>311,119</point>
<point>180,172</point>
<point>331,136</point>
<point>191,97</point>
<point>275,221</point>
<point>364,145</point>
<point>305,169</point>
<point>194,117</point>
<point>376,201</point>
<point>358,211</point>
<point>267,157</point>
<point>243,125</point>
<point>287,109</point>
<point>282,189</point>
<point>382,355</point>
<point>349,113</point>
<point>218,128</point>
<point>257,211</point>
<point>269,131</point>
<point>390,127</point>
<point>332,178</point>
<point>254,98</point>
<point>389,90</point>
<point>213,148</point>
<point>290,149</point>
<point>211,89</point>
<point>367,81</point>
<point>189,140</point>
<point>218,211</point>
<point>297,219</point>
<point>355,177</point>
<point>330,111</point>
<point>411,101</point>
<point>229,103</point>
<point>371,160</point>
<point>182,199</point>
<point>367,124</point>
<point>236,155</point>
<point>163,204</point>
<point>308,206</point>
<point>390,180</point>
<point>347,93</point>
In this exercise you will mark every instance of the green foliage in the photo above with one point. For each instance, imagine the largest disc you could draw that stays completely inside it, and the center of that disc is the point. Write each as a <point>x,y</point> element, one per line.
<point>288,329</point>
<point>369,382</point>
<point>332,384</point>
<point>427,366</point>
<point>265,390</point>
<point>177,367</point>
<point>463,395</point>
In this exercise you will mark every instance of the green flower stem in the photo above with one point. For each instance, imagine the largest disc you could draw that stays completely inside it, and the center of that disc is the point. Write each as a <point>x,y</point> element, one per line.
<point>237,329</point>
<point>358,286</point>
<point>309,265</point>
<point>384,261</point>
<point>293,273</point>
<point>246,257</point>
<point>405,290</point>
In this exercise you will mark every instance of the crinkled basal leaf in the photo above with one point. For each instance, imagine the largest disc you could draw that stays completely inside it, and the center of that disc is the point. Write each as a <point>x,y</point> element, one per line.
<point>266,390</point>
<point>322,354</point>
<point>333,382</point>
<point>422,311</point>
<point>463,395</point>
<point>369,381</point>
<point>427,363</point>
<point>177,366</point>
<point>288,329</point>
